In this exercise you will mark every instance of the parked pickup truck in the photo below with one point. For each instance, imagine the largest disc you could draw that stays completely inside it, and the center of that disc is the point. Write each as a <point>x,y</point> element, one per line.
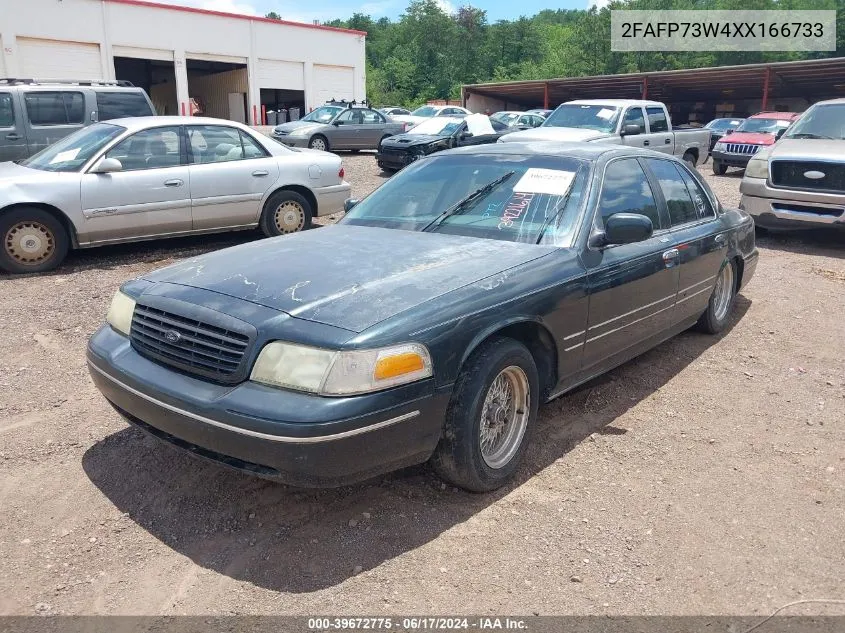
<point>799,182</point>
<point>622,121</point>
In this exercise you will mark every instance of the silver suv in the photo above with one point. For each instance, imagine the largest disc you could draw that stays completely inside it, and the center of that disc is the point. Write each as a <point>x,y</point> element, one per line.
<point>35,114</point>
<point>799,182</point>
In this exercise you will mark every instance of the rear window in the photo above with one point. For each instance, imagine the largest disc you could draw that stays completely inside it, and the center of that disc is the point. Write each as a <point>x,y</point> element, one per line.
<point>55,108</point>
<point>117,105</point>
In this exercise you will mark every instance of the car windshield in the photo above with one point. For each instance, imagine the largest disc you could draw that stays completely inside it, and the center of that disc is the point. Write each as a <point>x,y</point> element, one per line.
<point>73,151</point>
<point>601,118</point>
<point>764,126</point>
<point>425,111</point>
<point>323,114</point>
<point>821,121</point>
<point>541,197</point>
<point>439,125</point>
<point>505,117</point>
<point>723,124</point>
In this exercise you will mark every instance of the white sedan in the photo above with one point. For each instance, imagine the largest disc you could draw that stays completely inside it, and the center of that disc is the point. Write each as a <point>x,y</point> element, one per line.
<point>150,177</point>
<point>428,111</point>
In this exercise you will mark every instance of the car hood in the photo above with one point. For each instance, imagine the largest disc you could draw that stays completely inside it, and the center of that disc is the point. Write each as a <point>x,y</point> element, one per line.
<point>809,149</point>
<point>295,125</point>
<point>411,140</point>
<point>549,133</point>
<point>14,173</point>
<point>749,138</point>
<point>350,277</point>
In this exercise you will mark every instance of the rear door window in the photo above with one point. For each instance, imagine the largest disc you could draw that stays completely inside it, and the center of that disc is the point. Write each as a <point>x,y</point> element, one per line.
<point>657,121</point>
<point>7,112</point>
<point>117,105</point>
<point>55,108</point>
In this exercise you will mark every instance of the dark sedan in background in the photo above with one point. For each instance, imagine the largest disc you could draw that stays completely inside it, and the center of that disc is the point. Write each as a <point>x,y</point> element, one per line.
<point>435,135</point>
<point>439,314</point>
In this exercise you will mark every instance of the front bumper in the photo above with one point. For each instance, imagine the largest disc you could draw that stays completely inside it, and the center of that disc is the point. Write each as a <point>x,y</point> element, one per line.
<point>292,141</point>
<point>330,199</point>
<point>731,160</point>
<point>295,438</point>
<point>395,160</point>
<point>787,209</point>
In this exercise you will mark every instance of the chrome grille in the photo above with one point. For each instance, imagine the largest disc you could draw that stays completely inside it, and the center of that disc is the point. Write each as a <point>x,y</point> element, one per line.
<point>741,148</point>
<point>792,174</point>
<point>193,346</point>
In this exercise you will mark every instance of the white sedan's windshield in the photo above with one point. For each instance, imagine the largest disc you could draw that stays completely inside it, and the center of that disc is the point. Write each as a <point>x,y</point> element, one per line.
<point>323,114</point>
<point>425,111</point>
<point>439,125</point>
<point>72,152</point>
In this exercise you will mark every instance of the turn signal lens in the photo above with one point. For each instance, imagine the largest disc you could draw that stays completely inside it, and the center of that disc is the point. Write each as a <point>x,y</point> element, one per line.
<point>399,365</point>
<point>120,313</point>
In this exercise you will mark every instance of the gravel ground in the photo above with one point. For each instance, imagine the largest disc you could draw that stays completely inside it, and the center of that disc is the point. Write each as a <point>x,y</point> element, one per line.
<point>705,477</point>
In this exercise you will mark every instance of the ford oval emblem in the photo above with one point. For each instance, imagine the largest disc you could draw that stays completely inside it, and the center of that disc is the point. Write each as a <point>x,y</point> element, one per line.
<point>172,336</point>
<point>814,175</point>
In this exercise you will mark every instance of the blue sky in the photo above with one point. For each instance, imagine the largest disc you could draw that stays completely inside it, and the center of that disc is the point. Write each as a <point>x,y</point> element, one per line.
<point>304,11</point>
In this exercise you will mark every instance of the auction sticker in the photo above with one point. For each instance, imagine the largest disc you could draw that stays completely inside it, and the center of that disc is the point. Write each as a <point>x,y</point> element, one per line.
<point>549,181</point>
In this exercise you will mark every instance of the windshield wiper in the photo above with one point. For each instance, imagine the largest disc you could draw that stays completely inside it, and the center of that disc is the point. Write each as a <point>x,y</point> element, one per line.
<point>810,135</point>
<point>464,203</point>
<point>560,207</point>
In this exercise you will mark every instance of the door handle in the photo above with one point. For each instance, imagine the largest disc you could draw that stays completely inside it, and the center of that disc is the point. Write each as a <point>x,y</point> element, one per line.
<point>646,143</point>
<point>720,238</point>
<point>173,183</point>
<point>667,141</point>
<point>13,136</point>
<point>260,173</point>
<point>670,257</point>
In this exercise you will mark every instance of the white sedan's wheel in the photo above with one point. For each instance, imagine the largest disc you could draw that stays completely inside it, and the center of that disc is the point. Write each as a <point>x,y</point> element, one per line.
<point>31,240</point>
<point>289,217</point>
<point>29,243</point>
<point>286,212</point>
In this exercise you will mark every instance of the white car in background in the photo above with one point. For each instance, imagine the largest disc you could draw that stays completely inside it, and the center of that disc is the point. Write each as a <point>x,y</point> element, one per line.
<point>428,111</point>
<point>149,177</point>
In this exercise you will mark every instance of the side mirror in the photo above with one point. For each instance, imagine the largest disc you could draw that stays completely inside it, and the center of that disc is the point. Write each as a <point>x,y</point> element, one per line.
<point>631,129</point>
<point>780,133</point>
<point>107,166</point>
<point>627,228</point>
<point>350,202</point>
<point>729,131</point>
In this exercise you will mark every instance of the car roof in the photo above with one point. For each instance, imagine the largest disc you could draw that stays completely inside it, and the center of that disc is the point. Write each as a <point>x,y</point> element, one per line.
<point>775,115</point>
<point>840,101</point>
<point>134,124</point>
<point>620,103</point>
<point>584,151</point>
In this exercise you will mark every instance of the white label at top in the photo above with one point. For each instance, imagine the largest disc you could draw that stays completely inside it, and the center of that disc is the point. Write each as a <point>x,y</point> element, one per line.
<point>553,182</point>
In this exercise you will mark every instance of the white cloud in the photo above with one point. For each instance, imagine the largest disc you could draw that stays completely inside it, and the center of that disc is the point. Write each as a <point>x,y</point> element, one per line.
<point>599,4</point>
<point>446,6</point>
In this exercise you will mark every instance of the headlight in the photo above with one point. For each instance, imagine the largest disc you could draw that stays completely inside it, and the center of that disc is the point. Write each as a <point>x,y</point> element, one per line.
<point>301,131</point>
<point>757,168</point>
<point>334,373</point>
<point>120,312</point>
<point>720,147</point>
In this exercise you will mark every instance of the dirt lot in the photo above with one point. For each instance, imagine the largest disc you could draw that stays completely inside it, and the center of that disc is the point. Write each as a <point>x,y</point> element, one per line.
<point>705,477</point>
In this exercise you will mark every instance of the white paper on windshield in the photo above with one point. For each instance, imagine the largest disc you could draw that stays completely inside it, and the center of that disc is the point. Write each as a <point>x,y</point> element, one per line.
<point>605,113</point>
<point>63,157</point>
<point>549,181</point>
<point>478,124</point>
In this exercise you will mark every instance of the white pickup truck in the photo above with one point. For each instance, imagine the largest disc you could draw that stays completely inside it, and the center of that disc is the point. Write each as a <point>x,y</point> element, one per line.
<point>622,121</point>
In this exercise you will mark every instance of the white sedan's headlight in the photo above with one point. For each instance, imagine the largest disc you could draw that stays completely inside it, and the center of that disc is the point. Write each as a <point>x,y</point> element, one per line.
<point>334,373</point>
<point>757,168</point>
<point>120,312</point>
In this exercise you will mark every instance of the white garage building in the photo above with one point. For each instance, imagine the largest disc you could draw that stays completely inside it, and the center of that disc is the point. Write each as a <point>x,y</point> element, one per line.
<point>229,66</point>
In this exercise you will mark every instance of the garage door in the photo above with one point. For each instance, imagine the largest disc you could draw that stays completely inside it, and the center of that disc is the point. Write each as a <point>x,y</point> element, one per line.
<point>54,59</point>
<point>333,82</point>
<point>280,75</point>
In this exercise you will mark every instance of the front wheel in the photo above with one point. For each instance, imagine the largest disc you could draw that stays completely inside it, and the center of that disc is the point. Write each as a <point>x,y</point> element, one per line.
<point>490,417</point>
<point>285,212</point>
<point>719,168</point>
<point>319,142</point>
<point>715,317</point>
<point>689,159</point>
<point>34,241</point>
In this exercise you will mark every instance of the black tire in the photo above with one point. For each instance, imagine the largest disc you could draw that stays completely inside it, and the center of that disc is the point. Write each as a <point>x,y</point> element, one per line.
<point>315,140</point>
<point>24,228</point>
<point>458,457</point>
<point>711,322</point>
<point>689,159</point>
<point>284,226</point>
<point>719,168</point>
